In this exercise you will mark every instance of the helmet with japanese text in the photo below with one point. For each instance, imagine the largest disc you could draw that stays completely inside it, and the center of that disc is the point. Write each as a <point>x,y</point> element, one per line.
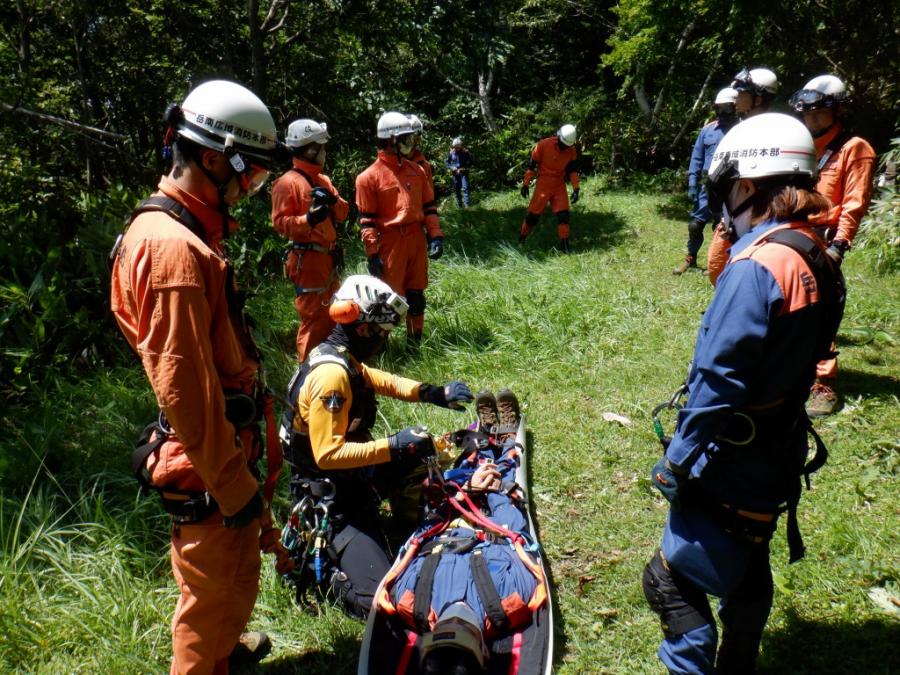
<point>567,135</point>
<point>824,91</point>
<point>393,124</point>
<point>766,146</point>
<point>367,299</point>
<point>227,117</point>
<point>416,123</point>
<point>305,131</point>
<point>758,81</point>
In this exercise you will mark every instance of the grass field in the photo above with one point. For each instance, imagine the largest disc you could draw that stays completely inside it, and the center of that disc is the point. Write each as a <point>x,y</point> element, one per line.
<point>84,579</point>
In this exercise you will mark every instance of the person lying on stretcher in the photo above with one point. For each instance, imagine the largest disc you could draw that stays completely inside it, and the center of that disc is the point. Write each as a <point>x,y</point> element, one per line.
<point>468,582</point>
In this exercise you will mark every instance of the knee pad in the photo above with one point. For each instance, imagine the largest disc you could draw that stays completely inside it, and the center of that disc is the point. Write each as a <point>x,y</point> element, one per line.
<point>695,228</point>
<point>680,605</point>
<point>562,217</point>
<point>416,300</point>
<point>531,219</point>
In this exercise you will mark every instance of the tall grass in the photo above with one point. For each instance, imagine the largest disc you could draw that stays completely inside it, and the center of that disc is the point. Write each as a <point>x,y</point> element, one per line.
<point>85,584</point>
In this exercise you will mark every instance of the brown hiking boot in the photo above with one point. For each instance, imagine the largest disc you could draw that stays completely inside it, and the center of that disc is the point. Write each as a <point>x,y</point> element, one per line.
<point>252,647</point>
<point>823,399</point>
<point>509,414</point>
<point>486,407</point>
<point>689,262</point>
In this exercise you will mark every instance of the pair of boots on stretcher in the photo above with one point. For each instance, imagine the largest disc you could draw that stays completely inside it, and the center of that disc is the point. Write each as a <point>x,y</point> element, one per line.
<point>497,415</point>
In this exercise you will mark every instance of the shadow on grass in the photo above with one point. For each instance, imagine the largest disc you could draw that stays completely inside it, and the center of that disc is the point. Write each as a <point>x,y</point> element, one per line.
<point>342,660</point>
<point>479,234</point>
<point>839,647</point>
<point>676,207</point>
<point>868,385</point>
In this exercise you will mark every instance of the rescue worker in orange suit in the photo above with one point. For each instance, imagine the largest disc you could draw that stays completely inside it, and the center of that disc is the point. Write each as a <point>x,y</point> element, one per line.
<point>845,165</point>
<point>740,447</point>
<point>329,435</point>
<point>175,299</point>
<point>305,209</point>
<point>554,160</point>
<point>398,218</point>
<point>756,89</point>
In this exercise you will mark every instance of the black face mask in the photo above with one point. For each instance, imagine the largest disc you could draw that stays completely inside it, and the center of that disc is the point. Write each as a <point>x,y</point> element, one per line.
<point>362,348</point>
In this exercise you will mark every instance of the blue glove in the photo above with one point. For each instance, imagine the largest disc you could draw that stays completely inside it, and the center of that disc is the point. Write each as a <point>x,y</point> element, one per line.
<point>375,265</point>
<point>576,194</point>
<point>436,248</point>
<point>693,192</point>
<point>452,395</point>
<point>524,191</point>
<point>411,442</point>
<point>667,482</point>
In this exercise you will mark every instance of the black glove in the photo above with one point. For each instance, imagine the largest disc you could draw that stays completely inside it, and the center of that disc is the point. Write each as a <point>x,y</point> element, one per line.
<point>317,214</point>
<point>411,442</point>
<point>668,482</point>
<point>248,513</point>
<point>376,266</point>
<point>524,191</point>
<point>436,248</point>
<point>576,194</point>
<point>452,395</point>
<point>837,250</point>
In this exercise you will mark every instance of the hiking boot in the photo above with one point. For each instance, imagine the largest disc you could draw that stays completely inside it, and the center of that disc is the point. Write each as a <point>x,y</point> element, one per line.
<point>508,409</point>
<point>488,415</point>
<point>252,647</point>
<point>689,262</point>
<point>564,246</point>
<point>823,399</point>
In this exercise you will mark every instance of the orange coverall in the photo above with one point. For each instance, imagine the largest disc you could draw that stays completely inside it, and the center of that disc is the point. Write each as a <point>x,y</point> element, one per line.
<point>419,159</point>
<point>309,264</point>
<point>554,163</point>
<point>168,297</point>
<point>396,210</point>
<point>846,179</point>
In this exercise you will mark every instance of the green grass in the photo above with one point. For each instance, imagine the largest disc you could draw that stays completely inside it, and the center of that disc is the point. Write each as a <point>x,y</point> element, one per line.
<point>84,580</point>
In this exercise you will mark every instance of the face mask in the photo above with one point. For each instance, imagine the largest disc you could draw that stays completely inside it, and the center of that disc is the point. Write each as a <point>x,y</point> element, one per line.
<point>406,146</point>
<point>737,213</point>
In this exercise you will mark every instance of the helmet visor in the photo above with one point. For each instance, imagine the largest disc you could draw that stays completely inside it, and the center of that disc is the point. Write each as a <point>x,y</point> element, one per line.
<point>809,99</point>
<point>743,81</point>
<point>719,183</point>
<point>253,178</point>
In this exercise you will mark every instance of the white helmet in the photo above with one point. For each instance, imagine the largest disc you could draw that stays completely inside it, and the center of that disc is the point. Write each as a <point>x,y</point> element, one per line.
<point>456,141</point>
<point>726,96</point>
<point>824,91</point>
<point>566,134</point>
<point>459,628</point>
<point>416,123</point>
<point>770,144</point>
<point>226,117</point>
<point>366,298</point>
<point>392,124</point>
<point>758,81</point>
<point>306,131</point>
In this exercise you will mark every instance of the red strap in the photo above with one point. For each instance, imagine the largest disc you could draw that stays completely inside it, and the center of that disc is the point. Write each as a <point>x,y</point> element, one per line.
<point>403,663</point>
<point>274,455</point>
<point>516,654</point>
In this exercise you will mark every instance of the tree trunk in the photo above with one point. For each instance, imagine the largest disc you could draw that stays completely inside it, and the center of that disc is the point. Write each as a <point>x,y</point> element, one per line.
<point>484,99</point>
<point>257,48</point>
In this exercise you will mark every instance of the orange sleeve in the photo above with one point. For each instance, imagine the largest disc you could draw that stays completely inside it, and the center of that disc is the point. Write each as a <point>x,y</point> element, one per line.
<point>536,159</point>
<point>367,203</point>
<point>341,208</point>
<point>328,396</point>
<point>429,207</point>
<point>574,176</point>
<point>173,341</point>
<point>290,202</point>
<point>857,189</point>
<point>388,384</point>
<point>718,253</point>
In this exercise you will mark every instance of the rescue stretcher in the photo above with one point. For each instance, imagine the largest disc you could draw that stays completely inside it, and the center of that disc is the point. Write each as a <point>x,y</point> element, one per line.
<point>389,647</point>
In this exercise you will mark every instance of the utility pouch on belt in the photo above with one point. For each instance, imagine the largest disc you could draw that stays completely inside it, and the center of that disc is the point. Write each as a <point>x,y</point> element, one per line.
<point>185,506</point>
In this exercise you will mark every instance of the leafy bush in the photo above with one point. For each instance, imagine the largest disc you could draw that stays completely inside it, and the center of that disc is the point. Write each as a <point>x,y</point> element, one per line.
<point>880,229</point>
